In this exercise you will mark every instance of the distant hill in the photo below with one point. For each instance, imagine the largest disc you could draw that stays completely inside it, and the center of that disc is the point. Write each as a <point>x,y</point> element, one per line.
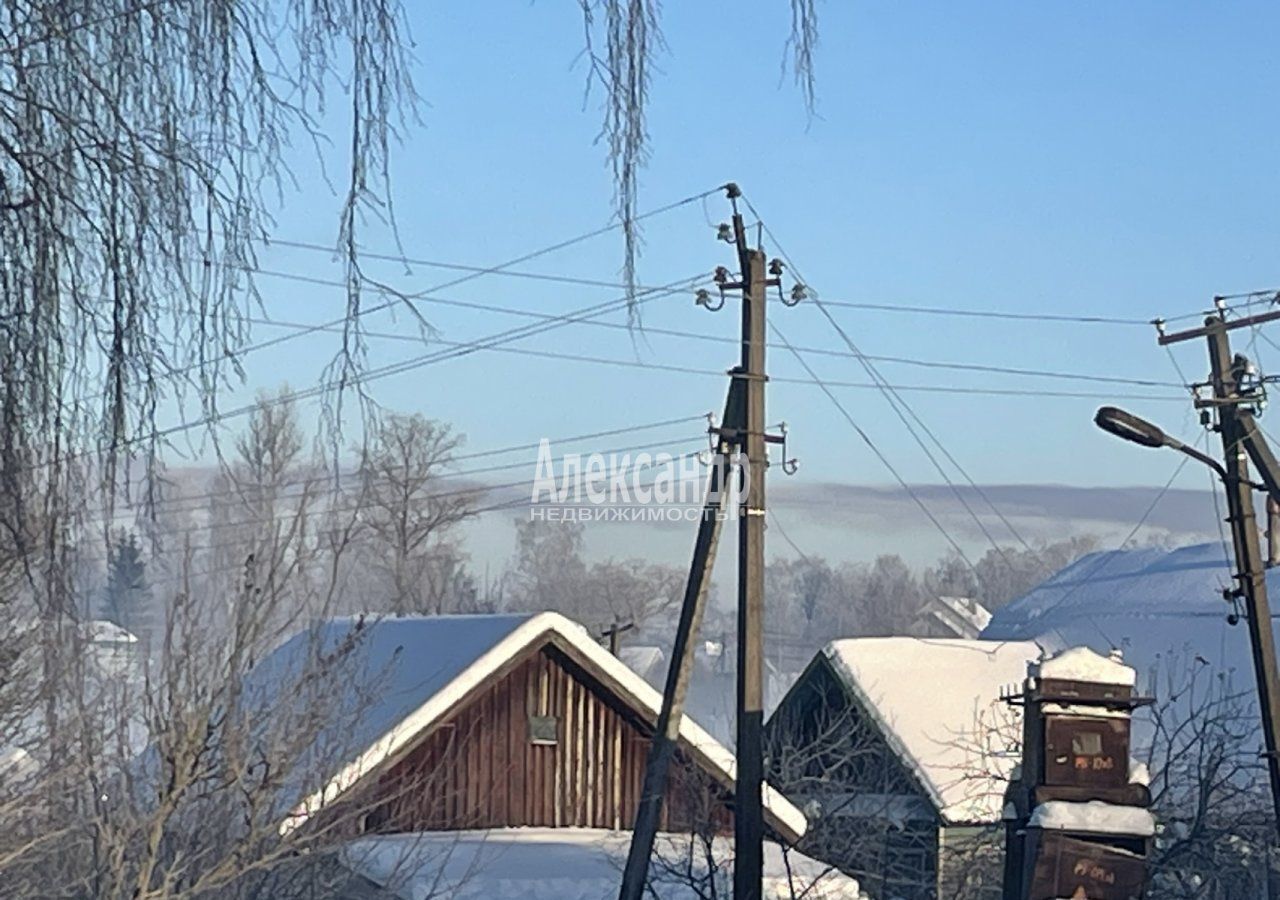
<point>856,523</point>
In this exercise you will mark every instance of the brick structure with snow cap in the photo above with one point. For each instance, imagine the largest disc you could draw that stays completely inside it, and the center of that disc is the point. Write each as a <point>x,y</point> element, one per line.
<point>1077,820</point>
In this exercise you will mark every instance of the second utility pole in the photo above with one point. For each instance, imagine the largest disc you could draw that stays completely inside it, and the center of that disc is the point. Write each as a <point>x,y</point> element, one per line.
<point>748,823</point>
<point>1233,400</point>
<point>1251,569</point>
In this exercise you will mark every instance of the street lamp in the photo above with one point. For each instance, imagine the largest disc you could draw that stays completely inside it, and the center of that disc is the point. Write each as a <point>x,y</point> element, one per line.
<point>1139,431</point>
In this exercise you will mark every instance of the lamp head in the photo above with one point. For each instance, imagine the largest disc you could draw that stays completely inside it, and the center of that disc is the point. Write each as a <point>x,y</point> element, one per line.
<point>1128,426</point>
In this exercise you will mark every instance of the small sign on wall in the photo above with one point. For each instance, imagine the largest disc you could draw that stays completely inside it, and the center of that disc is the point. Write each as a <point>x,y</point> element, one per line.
<point>543,730</point>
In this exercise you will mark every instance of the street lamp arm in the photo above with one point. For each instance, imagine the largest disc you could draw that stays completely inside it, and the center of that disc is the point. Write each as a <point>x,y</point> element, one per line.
<point>1197,455</point>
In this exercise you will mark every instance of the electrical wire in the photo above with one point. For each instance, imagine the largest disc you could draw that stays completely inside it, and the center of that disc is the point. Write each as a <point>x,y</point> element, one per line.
<point>320,479</point>
<point>694,370</point>
<point>718,339</point>
<point>502,505</point>
<point>476,490</point>
<point>363,378</point>
<point>898,404</point>
<point>453,266</point>
<point>1102,561</point>
<point>472,275</point>
<point>773,515</point>
<point>884,459</point>
<point>397,298</point>
<point>937,467</point>
<point>982,313</point>
<point>882,307</point>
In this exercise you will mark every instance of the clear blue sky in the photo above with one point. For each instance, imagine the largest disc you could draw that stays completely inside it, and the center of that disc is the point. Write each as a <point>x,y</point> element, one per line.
<point>1117,159</point>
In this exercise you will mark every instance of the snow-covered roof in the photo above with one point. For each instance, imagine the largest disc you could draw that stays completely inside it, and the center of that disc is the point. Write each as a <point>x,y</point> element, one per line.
<point>1093,817</point>
<point>1161,607</point>
<point>928,696</point>
<point>646,661</point>
<point>712,694</point>
<point>570,864</point>
<point>411,672</point>
<point>1147,581</point>
<point>964,617</point>
<point>1082,664</point>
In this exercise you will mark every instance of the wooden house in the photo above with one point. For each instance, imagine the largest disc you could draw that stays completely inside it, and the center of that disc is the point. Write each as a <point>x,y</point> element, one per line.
<point>899,751</point>
<point>452,723</point>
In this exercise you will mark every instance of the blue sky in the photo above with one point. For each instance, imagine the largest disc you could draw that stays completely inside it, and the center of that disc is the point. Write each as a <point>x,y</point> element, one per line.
<point>1092,158</point>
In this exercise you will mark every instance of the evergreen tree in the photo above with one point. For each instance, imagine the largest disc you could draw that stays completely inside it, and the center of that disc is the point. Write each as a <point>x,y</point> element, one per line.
<point>128,597</point>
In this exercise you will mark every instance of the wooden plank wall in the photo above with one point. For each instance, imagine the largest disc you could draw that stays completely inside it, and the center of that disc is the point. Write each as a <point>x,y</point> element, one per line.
<point>481,770</point>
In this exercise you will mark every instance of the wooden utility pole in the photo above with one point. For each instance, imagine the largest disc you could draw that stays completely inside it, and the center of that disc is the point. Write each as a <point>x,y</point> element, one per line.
<point>667,731</point>
<point>1250,569</point>
<point>614,634</point>
<point>748,821</point>
<point>1233,400</point>
<point>742,430</point>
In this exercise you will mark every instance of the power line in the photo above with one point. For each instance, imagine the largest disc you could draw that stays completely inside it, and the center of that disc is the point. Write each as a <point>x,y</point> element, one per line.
<point>898,405</point>
<point>362,378</point>
<point>397,297</point>
<point>349,540</point>
<point>454,266</point>
<point>1270,293</point>
<point>360,505</point>
<point>472,275</point>
<point>895,401</point>
<point>985,313</point>
<point>780,379</point>
<point>881,307</point>
<point>1059,318</point>
<point>1101,562</point>
<point>719,339</point>
<point>884,460</point>
<point>786,537</point>
<point>482,454</point>
<point>507,504</point>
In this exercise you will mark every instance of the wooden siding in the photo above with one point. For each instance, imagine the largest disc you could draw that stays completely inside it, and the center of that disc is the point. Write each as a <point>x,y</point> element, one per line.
<point>824,746</point>
<point>481,769</point>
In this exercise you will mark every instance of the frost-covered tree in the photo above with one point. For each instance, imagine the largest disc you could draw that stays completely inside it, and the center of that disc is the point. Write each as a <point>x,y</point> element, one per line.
<point>550,572</point>
<point>410,512</point>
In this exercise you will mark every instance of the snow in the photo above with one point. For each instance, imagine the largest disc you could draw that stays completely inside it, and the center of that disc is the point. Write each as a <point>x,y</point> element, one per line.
<point>1082,664</point>
<point>646,661</point>
<point>712,691</point>
<point>1163,608</point>
<point>962,617</point>
<point>407,673</point>
<point>567,864</point>
<point>1139,773</point>
<point>103,632</point>
<point>1159,606</point>
<point>1093,817</point>
<point>930,698</point>
<point>1082,709</point>
<point>16,764</point>
<point>1149,581</point>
